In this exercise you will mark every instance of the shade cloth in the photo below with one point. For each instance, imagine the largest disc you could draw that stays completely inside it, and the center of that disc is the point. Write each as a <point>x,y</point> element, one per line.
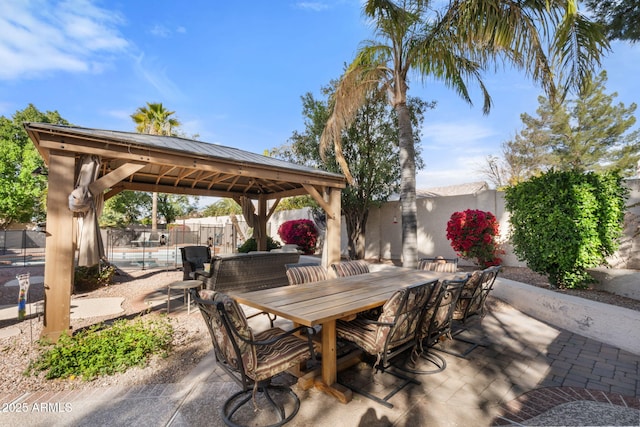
<point>89,208</point>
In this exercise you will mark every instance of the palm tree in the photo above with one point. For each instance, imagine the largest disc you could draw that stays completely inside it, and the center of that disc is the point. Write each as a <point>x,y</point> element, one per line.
<point>455,45</point>
<point>154,119</point>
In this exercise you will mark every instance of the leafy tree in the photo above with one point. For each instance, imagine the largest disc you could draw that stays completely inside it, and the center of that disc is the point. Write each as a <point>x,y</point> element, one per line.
<point>587,133</point>
<point>565,222</point>
<point>222,207</point>
<point>126,208</point>
<point>22,195</point>
<point>172,206</point>
<point>620,17</point>
<point>296,202</point>
<point>370,149</point>
<point>454,45</point>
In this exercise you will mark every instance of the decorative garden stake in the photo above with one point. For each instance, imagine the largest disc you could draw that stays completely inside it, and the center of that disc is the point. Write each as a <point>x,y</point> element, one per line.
<point>23,282</point>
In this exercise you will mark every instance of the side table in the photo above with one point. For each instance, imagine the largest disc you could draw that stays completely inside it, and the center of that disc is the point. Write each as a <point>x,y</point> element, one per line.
<point>185,285</point>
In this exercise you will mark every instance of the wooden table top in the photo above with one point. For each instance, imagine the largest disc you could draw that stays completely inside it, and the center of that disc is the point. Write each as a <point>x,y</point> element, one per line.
<point>315,303</point>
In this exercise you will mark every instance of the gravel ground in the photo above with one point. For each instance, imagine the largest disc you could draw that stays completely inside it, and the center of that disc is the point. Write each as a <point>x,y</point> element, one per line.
<point>190,344</point>
<point>191,340</point>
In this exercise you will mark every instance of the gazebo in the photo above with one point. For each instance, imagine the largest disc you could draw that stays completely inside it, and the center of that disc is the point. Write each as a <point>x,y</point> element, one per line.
<point>164,164</point>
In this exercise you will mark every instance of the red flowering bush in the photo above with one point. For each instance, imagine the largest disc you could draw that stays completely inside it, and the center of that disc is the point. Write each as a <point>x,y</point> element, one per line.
<point>473,235</point>
<point>301,232</point>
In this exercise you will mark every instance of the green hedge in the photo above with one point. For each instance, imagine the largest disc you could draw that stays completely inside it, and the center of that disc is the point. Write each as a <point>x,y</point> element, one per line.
<point>565,222</point>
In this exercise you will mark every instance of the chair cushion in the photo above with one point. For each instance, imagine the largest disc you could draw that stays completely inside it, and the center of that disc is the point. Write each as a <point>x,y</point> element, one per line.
<point>371,337</point>
<point>225,343</point>
<point>305,274</point>
<point>279,356</point>
<point>470,289</point>
<point>440,265</point>
<point>350,268</point>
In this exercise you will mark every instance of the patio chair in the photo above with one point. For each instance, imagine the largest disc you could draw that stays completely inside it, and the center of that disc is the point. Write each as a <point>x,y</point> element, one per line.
<point>298,274</point>
<point>471,303</point>
<point>350,268</point>
<point>253,359</point>
<point>474,294</point>
<point>391,334</point>
<point>436,325</point>
<point>193,258</point>
<point>440,264</point>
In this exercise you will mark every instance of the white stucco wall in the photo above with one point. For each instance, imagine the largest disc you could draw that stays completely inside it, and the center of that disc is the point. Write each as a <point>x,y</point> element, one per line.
<point>384,227</point>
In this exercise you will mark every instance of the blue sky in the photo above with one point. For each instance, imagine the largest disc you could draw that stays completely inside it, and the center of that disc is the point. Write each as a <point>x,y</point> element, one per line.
<point>234,72</point>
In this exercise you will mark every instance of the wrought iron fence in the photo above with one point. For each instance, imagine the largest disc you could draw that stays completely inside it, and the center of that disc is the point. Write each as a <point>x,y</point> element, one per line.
<point>19,248</point>
<point>126,248</point>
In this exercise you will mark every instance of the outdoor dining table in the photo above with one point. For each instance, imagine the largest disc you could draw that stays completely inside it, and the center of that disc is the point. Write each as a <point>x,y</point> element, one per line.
<point>324,302</point>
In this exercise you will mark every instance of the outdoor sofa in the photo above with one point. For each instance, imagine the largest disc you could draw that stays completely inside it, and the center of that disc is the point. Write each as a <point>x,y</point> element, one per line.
<point>248,272</point>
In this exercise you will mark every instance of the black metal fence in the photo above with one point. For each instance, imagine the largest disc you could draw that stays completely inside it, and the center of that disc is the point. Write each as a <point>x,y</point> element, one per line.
<point>126,248</point>
<point>19,248</point>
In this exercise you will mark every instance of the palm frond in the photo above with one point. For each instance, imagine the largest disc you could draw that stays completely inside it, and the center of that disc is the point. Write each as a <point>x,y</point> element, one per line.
<point>366,74</point>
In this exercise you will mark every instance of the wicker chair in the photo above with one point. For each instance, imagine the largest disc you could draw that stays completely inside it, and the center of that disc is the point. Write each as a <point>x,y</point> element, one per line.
<point>391,334</point>
<point>252,359</point>
<point>350,268</point>
<point>193,258</point>
<point>436,325</point>
<point>440,264</point>
<point>305,273</point>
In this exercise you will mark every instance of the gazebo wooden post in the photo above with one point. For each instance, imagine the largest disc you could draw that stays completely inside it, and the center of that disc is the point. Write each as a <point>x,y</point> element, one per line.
<point>60,249</point>
<point>262,223</point>
<point>332,238</point>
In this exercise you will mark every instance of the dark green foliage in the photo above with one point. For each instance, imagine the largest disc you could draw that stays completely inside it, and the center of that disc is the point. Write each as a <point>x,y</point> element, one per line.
<point>251,245</point>
<point>619,17</point>
<point>102,350</point>
<point>565,222</point>
<point>370,147</point>
<point>87,279</point>
<point>22,195</point>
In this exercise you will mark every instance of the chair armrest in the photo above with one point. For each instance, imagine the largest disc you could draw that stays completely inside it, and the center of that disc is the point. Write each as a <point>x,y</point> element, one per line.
<point>202,273</point>
<point>272,317</point>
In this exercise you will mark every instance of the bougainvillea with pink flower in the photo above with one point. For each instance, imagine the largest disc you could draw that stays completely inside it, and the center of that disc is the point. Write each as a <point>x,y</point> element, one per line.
<point>473,235</point>
<point>301,232</point>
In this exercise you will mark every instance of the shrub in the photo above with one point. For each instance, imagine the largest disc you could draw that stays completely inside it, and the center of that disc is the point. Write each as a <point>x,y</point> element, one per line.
<point>251,245</point>
<point>300,232</point>
<point>101,350</point>
<point>565,222</point>
<point>86,279</point>
<point>473,236</point>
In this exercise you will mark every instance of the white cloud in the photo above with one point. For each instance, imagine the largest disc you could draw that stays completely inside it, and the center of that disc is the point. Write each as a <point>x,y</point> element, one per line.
<point>315,6</point>
<point>155,75</point>
<point>449,134</point>
<point>160,31</point>
<point>40,37</point>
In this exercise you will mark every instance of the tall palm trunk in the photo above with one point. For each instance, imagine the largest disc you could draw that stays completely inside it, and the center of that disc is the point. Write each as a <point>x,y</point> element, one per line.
<point>407,187</point>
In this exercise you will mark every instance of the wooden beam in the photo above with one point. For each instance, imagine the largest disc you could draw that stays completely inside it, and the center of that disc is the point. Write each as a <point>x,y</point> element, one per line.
<point>320,200</point>
<point>262,223</point>
<point>60,249</point>
<point>273,208</point>
<point>114,177</point>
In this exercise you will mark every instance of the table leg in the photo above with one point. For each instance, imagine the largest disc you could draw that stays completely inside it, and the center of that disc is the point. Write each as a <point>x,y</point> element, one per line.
<point>328,383</point>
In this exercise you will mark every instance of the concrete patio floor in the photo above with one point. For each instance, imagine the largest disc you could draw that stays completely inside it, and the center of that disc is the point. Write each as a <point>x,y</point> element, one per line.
<point>529,373</point>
